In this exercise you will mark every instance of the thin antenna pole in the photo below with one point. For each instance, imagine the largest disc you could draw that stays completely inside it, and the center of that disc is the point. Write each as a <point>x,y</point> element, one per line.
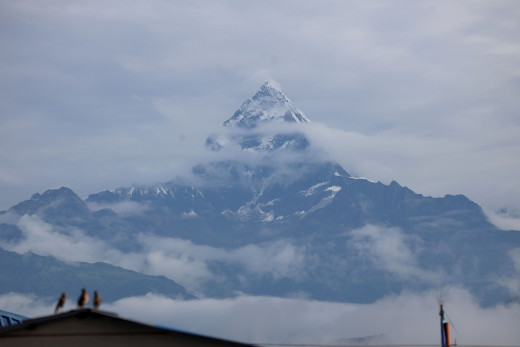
<point>445,328</point>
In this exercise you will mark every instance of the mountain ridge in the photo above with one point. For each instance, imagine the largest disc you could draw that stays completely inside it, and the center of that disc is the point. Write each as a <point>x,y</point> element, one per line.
<point>47,276</point>
<point>300,224</point>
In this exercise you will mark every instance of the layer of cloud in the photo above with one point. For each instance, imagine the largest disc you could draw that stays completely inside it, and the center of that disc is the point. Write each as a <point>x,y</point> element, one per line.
<point>180,260</point>
<point>103,94</point>
<point>409,318</point>
<point>41,238</point>
<point>189,264</point>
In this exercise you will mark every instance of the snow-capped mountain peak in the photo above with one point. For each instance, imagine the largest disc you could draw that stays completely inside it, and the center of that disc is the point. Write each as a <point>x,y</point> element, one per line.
<point>267,104</point>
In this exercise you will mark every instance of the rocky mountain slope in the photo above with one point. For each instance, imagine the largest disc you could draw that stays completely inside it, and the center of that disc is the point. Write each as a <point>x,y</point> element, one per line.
<point>284,222</point>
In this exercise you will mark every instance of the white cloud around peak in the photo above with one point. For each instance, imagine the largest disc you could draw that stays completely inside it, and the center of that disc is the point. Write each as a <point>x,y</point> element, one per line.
<point>423,93</point>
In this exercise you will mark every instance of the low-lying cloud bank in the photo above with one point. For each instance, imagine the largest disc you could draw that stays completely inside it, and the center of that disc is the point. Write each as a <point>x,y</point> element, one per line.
<point>180,260</point>
<point>188,263</point>
<point>410,318</point>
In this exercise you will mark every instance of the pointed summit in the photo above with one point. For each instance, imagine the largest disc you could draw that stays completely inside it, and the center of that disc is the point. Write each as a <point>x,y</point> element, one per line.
<point>267,104</point>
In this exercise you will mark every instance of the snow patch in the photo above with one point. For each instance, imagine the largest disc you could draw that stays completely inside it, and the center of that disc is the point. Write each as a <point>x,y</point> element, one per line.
<point>327,200</point>
<point>272,202</point>
<point>362,178</point>
<point>312,190</point>
<point>161,190</point>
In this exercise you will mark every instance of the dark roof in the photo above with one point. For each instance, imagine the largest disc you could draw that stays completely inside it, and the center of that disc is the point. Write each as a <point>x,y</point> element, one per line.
<point>131,327</point>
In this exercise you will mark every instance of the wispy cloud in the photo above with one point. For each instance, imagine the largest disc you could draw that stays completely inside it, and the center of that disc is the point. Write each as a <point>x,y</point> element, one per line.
<point>178,259</point>
<point>513,283</point>
<point>41,238</point>
<point>505,221</point>
<point>390,249</point>
<point>123,208</point>
<point>187,263</point>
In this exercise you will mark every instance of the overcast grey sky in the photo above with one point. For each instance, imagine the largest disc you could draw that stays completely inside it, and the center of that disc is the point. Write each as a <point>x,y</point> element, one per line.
<point>100,94</point>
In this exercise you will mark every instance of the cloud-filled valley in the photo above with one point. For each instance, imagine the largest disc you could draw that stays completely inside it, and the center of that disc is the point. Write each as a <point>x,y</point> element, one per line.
<point>178,259</point>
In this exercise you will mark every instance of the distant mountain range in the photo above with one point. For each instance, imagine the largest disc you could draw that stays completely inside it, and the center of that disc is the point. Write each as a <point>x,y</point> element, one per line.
<point>283,221</point>
<point>47,277</point>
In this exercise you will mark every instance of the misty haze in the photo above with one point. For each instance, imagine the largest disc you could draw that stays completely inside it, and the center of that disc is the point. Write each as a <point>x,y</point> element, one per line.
<point>291,173</point>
